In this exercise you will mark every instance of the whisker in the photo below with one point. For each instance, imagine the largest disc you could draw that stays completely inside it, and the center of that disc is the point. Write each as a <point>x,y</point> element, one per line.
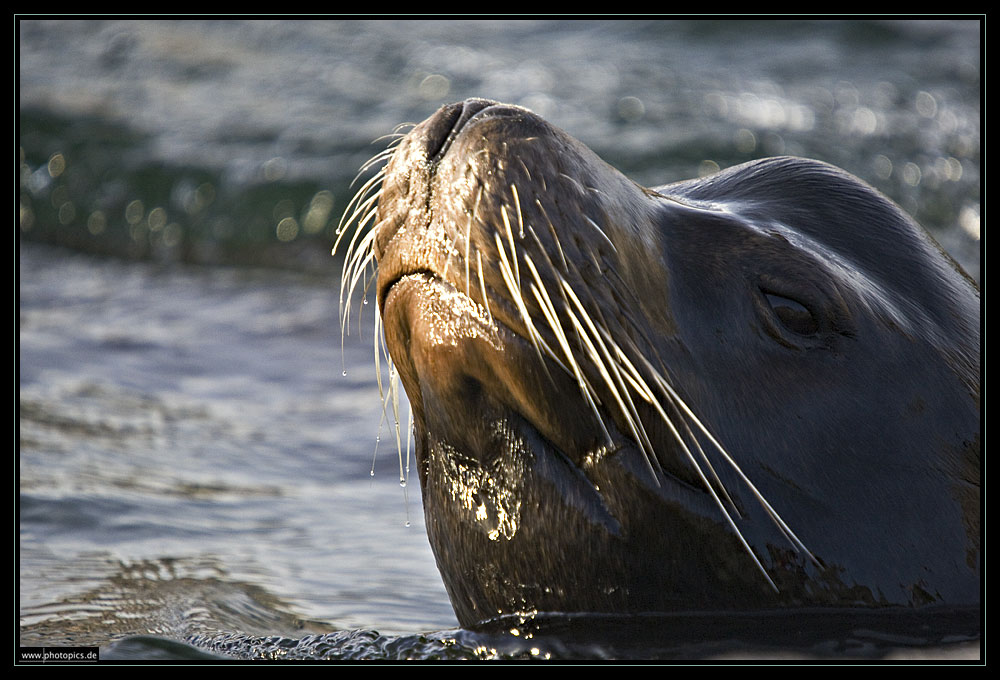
<point>516,296</point>
<point>608,366</point>
<point>474,215</point>
<point>538,289</point>
<point>375,341</point>
<point>711,490</point>
<point>482,288</point>
<point>361,258</point>
<point>545,304</point>
<point>378,436</point>
<point>510,237</point>
<point>366,193</point>
<point>668,390</point>
<point>600,231</point>
<point>574,182</point>
<point>524,167</point>
<point>394,391</point>
<point>555,236</point>
<point>380,157</point>
<point>643,390</point>
<point>517,207</point>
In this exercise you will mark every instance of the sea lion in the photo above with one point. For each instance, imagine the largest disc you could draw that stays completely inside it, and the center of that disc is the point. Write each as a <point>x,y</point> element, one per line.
<point>752,391</point>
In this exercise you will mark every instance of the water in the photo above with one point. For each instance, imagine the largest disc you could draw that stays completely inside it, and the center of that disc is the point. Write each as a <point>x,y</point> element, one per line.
<point>194,466</point>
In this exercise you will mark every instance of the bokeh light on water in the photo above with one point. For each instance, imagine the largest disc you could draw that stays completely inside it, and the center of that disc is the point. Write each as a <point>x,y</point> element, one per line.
<point>240,139</point>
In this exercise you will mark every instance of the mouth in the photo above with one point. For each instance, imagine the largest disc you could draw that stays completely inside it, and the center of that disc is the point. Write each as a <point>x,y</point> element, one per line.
<point>460,364</point>
<point>410,199</point>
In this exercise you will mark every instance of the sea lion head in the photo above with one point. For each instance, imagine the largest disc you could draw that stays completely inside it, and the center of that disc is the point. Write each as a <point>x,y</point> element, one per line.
<point>754,390</point>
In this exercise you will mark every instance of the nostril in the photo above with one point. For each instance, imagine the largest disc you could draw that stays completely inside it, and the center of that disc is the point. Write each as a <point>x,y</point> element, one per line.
<point>448,122</point>
<point>438,130</point>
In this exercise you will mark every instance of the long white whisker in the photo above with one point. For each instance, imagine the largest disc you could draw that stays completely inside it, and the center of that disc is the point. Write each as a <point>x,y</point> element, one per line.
<point>545,304</point>
<point>515,290</point>
<point>513,250</point>
<point>474,215</point>
<point>710,489</point>
<point>608,366</point>
<point>538,289</point>
<point>365,194</point>
<point>380,157</point>
<point>354,270</point>
<point>600,231</point>
<point>775,517</point>
<point>375,340</point>
<point>517,207</point>
<point>482,287</point>
<point>555,236</point>
<point>394,391</point>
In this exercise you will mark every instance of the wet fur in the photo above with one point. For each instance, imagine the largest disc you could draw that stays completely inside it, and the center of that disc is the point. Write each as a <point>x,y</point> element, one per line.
<point>519,260</point>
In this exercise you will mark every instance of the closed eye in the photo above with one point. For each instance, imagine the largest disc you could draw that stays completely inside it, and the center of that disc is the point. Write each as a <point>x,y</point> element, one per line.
<point>793,315</point>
